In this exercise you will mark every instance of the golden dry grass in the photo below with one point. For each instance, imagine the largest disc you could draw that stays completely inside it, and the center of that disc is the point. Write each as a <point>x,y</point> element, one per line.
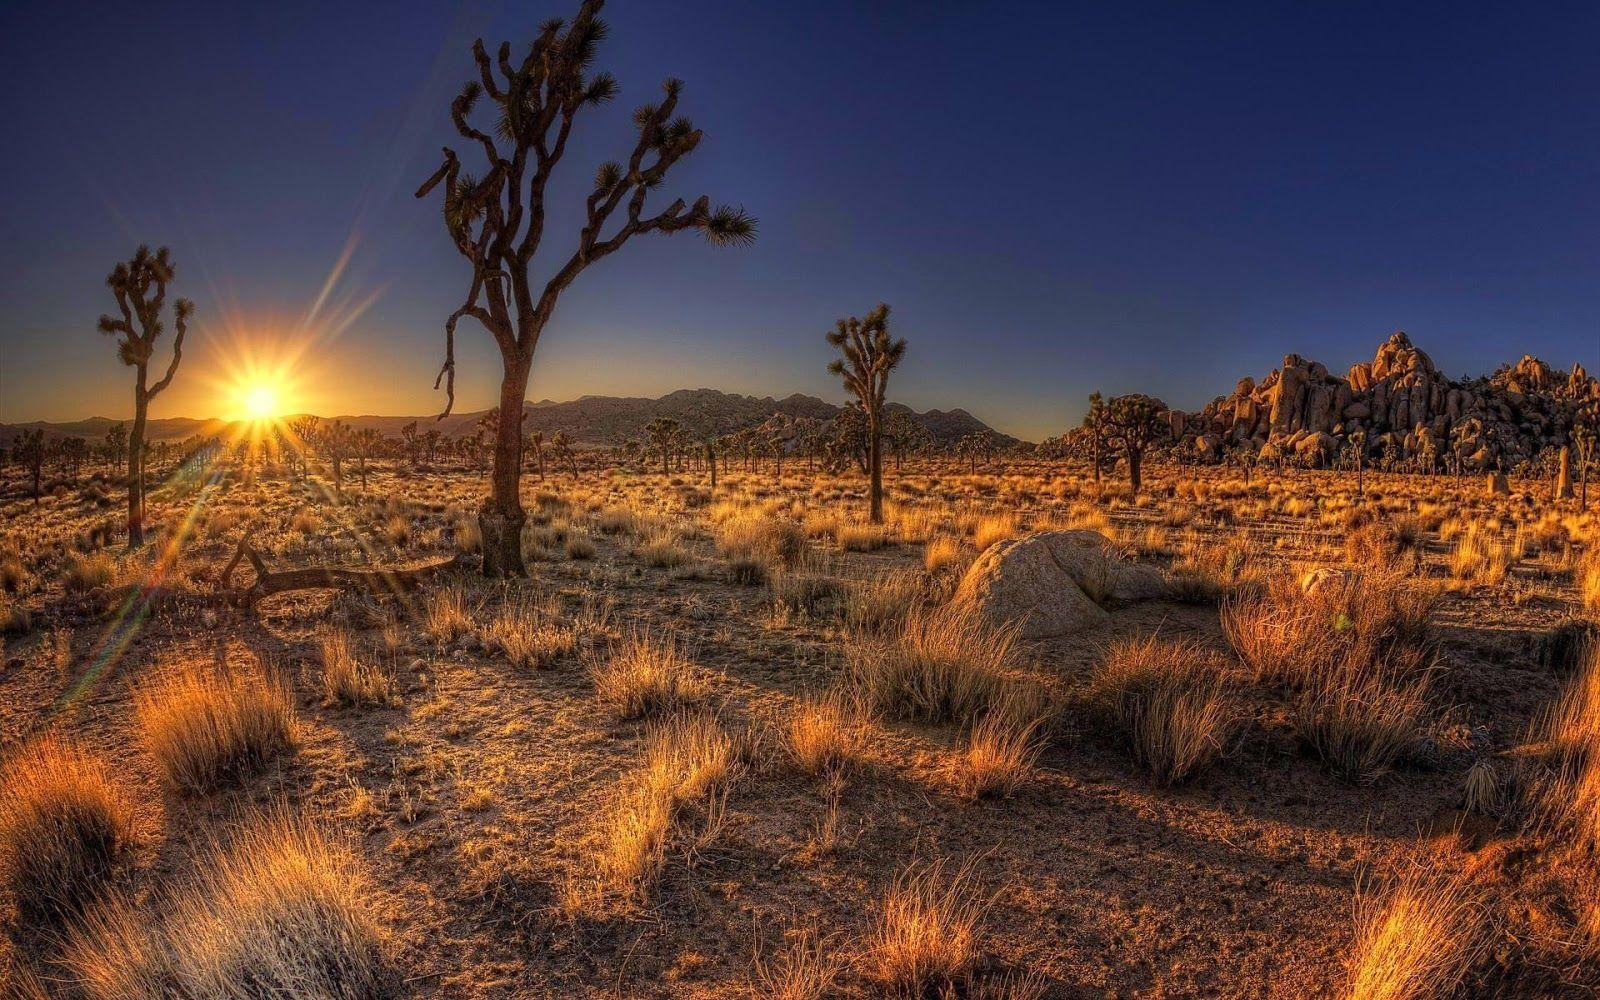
<point>945,664</point>
<point>282,911</point>
<point>1169,702</point>
<point>1416,939</point>
<point>646,675</point>
<point>65,829</point>
<point>207,727</point>
<point>826,734</point>
<point>347,677</point>
<point>925,938</point>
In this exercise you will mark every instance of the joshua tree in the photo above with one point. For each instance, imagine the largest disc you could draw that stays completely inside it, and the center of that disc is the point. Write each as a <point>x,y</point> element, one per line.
<point>115,447</point>
<point>302,440</point>
<point>710,444</point>
<point>663,433</point>
<point>1097,426</point>
<point>497,222</point>
<point>536,442</point>
<point>1585,430</point>
<point>1357,441</point>
<point>30,452</point>
<point>367,443</point>
<point>1136,421</point>
<point>562,446</point>
<point>140,288</point>
<point>413,443</point>
<point>868,355</point>
<point>335,441</point>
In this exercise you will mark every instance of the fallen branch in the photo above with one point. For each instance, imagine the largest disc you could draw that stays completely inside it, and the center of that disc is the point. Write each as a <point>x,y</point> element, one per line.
<point>372,581</point>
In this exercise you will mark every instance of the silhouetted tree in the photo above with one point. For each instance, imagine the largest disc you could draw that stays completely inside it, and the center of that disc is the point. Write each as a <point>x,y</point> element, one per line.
<point>335,441</point>
<point>536,441</point>
<point>869,354</point>
<point>412,440</point>
<point>1136,421</point>
<point>663,431</point>
<point>1097,432</point>
<point>115,446</point>
<point>30,451</point>
<point>562,446</point>
<point>497,223</point>
<point>140,288</point>
<point>367,443</point>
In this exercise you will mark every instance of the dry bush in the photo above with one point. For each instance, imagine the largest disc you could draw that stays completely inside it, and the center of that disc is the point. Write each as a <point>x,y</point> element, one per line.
<point>580,546</point>
<point>617,521</point>
<point>945,664</point>
<point>1572,721</point>
<point>528,638</point>
<point>644,676</point>
<point>1204,573</point>
<point>13,572</point>
<point>1416,939</point>
<point>1169,702</point>
<point>882,602</point>
<point>445,615</point>
<point>205,728</point>
<point>689,761</point>
<point>88,572</point>
<point>347,679</point>
<point>1587,575</point>
<point>925,938</point>
<point>808,594</point>
<point>827,735</point>
<point>65,829</point>
<point>1481,559</point>
<point>468,537</point>
<point>281,912</point>
<point>396,531</point>
<point>808,969</point>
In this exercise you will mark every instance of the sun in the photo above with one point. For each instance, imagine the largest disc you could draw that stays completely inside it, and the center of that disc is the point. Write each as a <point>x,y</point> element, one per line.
<point>259,400</point>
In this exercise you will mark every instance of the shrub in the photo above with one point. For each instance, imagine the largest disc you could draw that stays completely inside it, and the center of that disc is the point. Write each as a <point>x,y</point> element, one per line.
<point>1415,940</point>
<point>1168,701</point>
<point>65,828</point>
<point>806,970</point>
<point>944,664</point>
<point>1361,717</point>
<point>826,735</point>
<point>88,572</point>
<point>528,638</point>
<point>347,679</point>
<point>993,528</point>
<point>862,537</point>
<point>662,550</point>
<point>882,602</point>
<point>205,728</point>
<point>940,553</point>
<point>750,536</point>
<point>925,938</point>
<point>1000,752</point>
<point>803,593</point>
<point>646,676</point>
<point>281,912</point>
<point>445,615</point>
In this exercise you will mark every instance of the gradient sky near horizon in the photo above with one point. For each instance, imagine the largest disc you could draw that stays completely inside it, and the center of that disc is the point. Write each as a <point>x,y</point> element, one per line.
<point>1055,198</point>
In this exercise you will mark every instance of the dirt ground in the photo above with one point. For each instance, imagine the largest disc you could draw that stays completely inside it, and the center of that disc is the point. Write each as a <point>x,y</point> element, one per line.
<point>480,789</point>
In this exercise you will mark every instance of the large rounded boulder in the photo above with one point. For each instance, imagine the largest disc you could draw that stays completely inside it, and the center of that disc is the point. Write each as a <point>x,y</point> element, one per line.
<point>1054,583</point>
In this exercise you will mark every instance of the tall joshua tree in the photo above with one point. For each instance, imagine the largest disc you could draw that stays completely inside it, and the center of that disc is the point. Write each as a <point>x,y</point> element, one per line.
<point>1136,422</point>
<point>140,288</point>
<point>868,355</point>
<point>497,222</point>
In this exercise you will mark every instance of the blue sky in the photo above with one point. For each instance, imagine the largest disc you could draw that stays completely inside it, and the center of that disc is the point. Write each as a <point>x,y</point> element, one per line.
<point>1054,198</point>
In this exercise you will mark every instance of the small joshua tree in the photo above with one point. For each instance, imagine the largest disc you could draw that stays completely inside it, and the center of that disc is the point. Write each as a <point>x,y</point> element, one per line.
<point>140,288</point>
<point>663,433</point>
<point>536,442</point>
<point>1136,421</point>
<point>367,443</point>
<point>336,441</point>
<point>868,355</point>
<point>561,444</point>
<point>1097,433</point>
<point>496,221</point>
<point>30,453</point>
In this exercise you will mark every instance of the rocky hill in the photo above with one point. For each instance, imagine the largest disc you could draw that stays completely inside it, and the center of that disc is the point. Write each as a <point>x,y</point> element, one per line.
<point>1402,404</point>
<point>588,420</point>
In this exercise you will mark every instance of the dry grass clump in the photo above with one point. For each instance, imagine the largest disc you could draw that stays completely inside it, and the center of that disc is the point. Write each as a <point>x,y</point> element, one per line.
<point>1000,752</point>
<point>925,939</point>
<point>940,553</point>
<point>808,969</point>
<point>662,549</point>
<point>807,594</point>
<point>992,528</point>
<point>445,615</point>
<point>882,602</point>
<point>827,735</point>
<point>1203,573</point>
<point>1417,939</point>
<point>617,521</point>
<point>861,537</point>
<point>1572,721</point>
<point>1169,702</point>
<point>65,828</point>
<point>688,761</point>
<point>528,638</point>
<point>646,675</point>
<point>206,728</point>
<point>751,536</point>
<point>1481,559</point>
<point>1587,575</point>
<point>281,912</point>
<point>1288,633</point>
<point>397,531</point>
<point>1361,717</point>
<point>347,678</point>
<point>91,571</point>
<point>945,664</point>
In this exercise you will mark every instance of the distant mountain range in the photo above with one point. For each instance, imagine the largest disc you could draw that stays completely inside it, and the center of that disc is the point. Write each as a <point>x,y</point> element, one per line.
<point>588,420</point>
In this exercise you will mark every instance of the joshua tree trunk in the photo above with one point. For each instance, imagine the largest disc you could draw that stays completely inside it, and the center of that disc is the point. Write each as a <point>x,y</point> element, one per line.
<point>711,463</point>
<point>875,464</point>
<point>501,517</point>
<point>141,410</point>
<point>1135,478</point>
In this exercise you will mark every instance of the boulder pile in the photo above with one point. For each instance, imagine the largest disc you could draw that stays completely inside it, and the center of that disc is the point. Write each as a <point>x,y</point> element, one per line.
<point>1397,405</point>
